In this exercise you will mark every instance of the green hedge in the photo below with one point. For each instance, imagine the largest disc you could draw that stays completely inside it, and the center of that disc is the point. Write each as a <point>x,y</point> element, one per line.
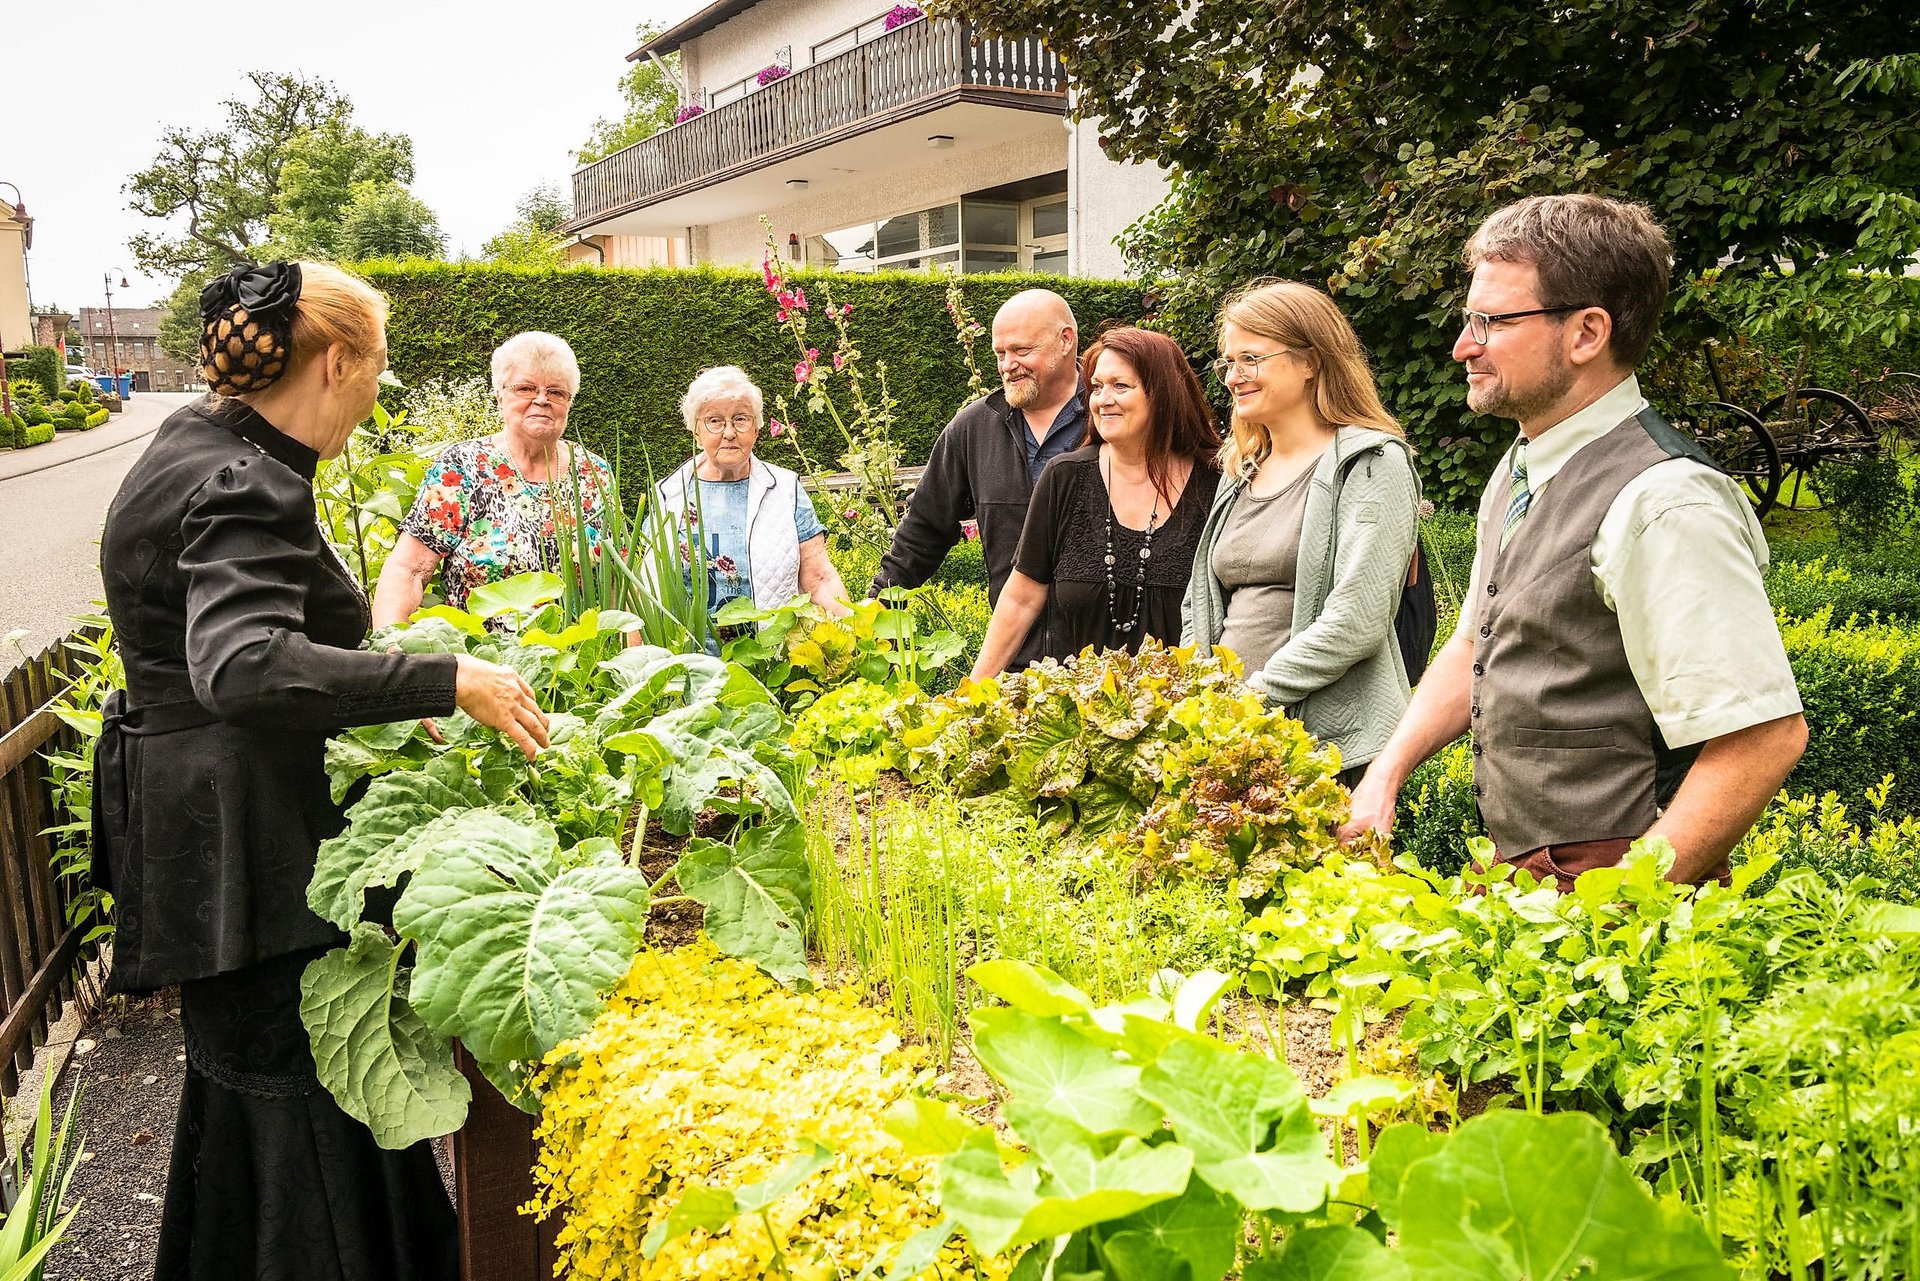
<point>641,336</point>
<point>42,364</point>
<point>17,433</point>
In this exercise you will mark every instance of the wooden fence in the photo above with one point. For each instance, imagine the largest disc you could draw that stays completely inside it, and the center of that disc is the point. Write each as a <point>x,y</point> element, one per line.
<point>39,951</point>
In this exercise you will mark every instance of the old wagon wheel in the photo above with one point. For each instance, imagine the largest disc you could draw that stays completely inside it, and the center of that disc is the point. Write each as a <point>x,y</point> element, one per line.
<point>1818,425</point>
<point>1892,404</point>
<point>1743,447</point>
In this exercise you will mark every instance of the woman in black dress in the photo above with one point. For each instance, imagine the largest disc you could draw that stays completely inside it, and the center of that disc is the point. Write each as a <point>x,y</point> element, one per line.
<point>241,633</point>
<point>1108,544</point>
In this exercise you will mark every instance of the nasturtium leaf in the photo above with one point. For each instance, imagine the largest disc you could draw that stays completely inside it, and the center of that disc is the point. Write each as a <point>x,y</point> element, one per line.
<point>521,594</point>
<point>515,945</point>
<point>1050,1066</point>
<point>1517,1195</point>
<point>1032,988</point>
<point>458,619</point>
<point>1196,996</point>
<point>1331,1253</point>
<point>756,893</point>
<point>1394,1152</point>
<point>1199,1229</point>
<point>584,628</point>
<point>382,1064</point>
<point>999,1208</point>
<point>395,808</point>
<point>1246,1120</point>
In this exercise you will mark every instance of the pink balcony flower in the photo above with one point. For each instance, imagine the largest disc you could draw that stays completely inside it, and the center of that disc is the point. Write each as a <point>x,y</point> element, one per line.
<point>899,16</point>
<point>688,112</point>
<point>770,74</point>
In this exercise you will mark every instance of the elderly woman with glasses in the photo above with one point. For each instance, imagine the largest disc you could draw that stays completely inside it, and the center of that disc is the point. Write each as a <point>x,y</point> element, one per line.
<point>763,539</point>
<point>498,506</point>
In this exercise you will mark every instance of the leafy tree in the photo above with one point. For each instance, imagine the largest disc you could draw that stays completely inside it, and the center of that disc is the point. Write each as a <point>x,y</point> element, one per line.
<point>651,100</point>
<point>533,238</point>
<point>179,328</point>
<point>226,182</point>
<point>1356,145</point>
<point>322,168</point>
<point>385,220</point>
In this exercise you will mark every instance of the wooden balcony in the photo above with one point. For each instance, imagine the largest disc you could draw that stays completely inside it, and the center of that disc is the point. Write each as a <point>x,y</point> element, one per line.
<point>918,68</point>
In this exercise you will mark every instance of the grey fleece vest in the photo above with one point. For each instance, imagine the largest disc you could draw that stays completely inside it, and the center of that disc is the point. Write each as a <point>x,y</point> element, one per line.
<point>1565,748</point>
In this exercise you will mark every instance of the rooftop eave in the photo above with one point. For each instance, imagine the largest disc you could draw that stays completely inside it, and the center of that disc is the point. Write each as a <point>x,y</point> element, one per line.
<point>698,25</point>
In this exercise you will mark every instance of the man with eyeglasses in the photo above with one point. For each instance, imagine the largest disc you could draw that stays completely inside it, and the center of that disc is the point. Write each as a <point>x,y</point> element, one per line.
<point>986,461</point>
<point>1616,659</point>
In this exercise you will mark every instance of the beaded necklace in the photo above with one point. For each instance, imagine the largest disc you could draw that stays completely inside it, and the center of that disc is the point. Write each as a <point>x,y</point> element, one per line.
<point>1140,566</point>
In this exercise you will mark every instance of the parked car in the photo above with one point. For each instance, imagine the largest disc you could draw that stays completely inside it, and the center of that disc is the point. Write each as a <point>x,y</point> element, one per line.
<point>81,372</point>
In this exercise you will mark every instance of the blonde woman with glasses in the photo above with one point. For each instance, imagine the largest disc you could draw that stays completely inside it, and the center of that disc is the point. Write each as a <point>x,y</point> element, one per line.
<point>491,508</point>
<point>1312,535</point>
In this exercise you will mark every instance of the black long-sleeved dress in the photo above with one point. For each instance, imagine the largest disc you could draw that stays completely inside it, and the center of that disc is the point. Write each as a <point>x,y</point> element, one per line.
<point>240,632</point>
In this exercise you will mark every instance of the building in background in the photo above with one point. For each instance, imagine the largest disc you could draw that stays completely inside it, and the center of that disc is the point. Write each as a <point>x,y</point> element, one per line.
<point>16,312</point>
<point>871,138</point>
<point>133,333</point>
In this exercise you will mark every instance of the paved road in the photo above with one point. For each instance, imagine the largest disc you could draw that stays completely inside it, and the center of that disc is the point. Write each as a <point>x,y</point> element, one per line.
<point>52,500</point>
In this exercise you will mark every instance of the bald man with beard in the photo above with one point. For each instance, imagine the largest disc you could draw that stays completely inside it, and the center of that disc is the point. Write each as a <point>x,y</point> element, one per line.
<point>986,461</point>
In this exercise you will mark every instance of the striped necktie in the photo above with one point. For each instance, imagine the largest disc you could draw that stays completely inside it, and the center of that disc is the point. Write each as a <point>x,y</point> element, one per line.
<point>1520,496</point>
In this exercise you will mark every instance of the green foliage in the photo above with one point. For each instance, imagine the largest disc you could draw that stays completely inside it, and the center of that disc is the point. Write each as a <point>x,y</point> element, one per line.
<point>40,1215</point>
<point>797,650</point>
<point>362,495</point>
<point>1871,497</point>
<point>520,899</point>
<point>1437,812</point>
<point>533,238</point>
<point>96,670</point>
<point>42,366</point>
<point>1154,1150</point>
<point>649,99</point>
<point>642,336</point>
<point>323,170</point>
<point>1818,834</point>
<point>1362,159</point>
<point>1748,1044</point>
<point>385,220</point>
<point>1841,588</point>
<point>1858,684</point>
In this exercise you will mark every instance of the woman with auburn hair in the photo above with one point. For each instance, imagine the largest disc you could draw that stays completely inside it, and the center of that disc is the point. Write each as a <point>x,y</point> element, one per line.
<point>1109,538</point>
<point>242,635</point>
<point>1302,560</point>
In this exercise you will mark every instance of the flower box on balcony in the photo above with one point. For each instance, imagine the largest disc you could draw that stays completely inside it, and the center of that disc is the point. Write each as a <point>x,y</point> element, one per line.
<point>687,113</point>
<point>770,74</point>
<point>900,15</point>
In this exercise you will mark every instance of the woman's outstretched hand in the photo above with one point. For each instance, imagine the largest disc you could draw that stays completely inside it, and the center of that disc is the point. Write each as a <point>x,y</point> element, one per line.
<point>501,698</point>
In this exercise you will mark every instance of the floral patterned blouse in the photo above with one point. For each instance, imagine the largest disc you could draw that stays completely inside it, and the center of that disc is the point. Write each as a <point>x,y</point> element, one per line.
<point>489,522</point>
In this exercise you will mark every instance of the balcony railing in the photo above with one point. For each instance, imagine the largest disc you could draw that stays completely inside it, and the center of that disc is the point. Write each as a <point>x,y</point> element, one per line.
<point>917,66</point>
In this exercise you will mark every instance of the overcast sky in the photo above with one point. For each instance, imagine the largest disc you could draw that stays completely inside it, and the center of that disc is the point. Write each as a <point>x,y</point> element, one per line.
<point>495,96</point>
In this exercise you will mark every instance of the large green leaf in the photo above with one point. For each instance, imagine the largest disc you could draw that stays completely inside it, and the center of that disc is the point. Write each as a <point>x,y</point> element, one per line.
<point>1394,1153</point>
<point>381,1063</point>
<point>1199,1228</point>
<point>378,845</point>
<point>1332,1253</point>
<point>1246,1120</point>
<point>1546,1198</point>
<point>517,939</point>
<point>757,894</point>
<point>1051,1067</point>
<point>1049,749</point>
<point>999,1208</point>
<point>521,594</point>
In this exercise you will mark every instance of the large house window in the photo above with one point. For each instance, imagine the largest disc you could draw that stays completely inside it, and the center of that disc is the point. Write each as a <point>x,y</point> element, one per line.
<point>852,38</point>
<point>904,242</point>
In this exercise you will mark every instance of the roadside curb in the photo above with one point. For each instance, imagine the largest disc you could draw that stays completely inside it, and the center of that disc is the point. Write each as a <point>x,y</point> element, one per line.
<point>74,458</point>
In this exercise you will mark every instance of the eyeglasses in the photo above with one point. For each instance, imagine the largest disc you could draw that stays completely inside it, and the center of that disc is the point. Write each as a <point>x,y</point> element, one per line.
<point>738,425</point>
<point>528,391</point>
<point>1479,323</point>
<point>1247,363</point>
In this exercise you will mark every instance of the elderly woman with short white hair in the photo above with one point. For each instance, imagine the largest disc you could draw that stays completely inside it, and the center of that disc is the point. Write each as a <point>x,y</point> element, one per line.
<point>763,539</point>
<point>491,508</point>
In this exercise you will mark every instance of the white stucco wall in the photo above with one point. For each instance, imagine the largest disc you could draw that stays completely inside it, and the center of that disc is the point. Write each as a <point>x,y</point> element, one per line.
<point>632,251</point>
<point>741,241</point>
<point>741,46</point>
<point>1103,197</point>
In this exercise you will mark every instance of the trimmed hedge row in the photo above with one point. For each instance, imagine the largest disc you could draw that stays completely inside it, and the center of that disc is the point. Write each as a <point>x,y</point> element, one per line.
<point>17,433</point>
<point>641,336</point>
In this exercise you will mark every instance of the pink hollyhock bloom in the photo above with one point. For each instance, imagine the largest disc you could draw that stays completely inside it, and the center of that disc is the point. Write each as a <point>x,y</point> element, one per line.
<point>799,298</point>
<point>851,513</point>
<point>839,360</point>
<point>776,428</point>
<point>803,373</point>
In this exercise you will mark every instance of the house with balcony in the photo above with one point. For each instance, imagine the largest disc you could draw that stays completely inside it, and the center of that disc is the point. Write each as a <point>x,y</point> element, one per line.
<point>872,138</point>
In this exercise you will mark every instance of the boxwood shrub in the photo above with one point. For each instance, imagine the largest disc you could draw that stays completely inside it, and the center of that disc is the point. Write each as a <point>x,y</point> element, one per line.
<point>642,335</point>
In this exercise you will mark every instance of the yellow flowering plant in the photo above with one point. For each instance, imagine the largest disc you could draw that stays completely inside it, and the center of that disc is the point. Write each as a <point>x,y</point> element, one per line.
<point>670,1132</point>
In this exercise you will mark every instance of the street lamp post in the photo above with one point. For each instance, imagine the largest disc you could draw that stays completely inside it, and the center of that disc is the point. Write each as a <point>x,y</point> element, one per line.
<point>113,338</point>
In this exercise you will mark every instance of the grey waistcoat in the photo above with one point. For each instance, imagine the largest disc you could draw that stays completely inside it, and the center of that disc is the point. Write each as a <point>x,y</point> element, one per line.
<point>1565,748</point>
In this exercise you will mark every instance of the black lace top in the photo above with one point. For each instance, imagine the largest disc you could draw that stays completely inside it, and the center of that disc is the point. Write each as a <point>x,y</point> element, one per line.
<point>1063,544</point>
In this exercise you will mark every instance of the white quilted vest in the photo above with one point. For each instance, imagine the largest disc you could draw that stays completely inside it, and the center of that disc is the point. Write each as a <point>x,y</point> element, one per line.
<point>773,544</point>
